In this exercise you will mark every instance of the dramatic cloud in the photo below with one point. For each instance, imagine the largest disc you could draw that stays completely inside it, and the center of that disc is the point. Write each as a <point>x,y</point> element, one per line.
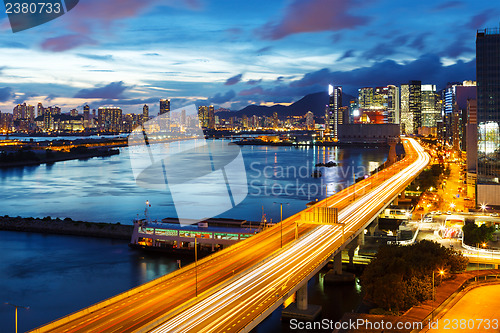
<point>22,98</point>
<point>66,42</point>
<point>221,99</point>
<point>91,12</point>
<point>233,80</point>
<point>381,51</point>
<point>347,54</point>
<point>107,57</point>
<point>311,16</point>
<point>458,47</point>
<point>126,102</point>
<point>419,42</point>
<point>5,94</point>
<point>254,82</point>
<point>114,90</point>
<point>448,5</point>
<point>428,69</point>
<point>264,50</point>
<point>479,21</point>
<point>50,97</point>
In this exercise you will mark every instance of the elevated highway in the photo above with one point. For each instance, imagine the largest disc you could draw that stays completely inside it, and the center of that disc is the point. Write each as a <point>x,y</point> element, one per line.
<point>235,289</point>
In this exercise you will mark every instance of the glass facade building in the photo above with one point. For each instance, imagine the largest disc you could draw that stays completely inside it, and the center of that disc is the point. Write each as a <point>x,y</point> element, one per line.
<point>488,105</point>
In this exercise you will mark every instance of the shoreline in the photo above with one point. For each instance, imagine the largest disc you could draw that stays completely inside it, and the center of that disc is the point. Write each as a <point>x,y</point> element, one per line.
<point>319,144</point>
<point>66,157</point>
<point>67,226</point>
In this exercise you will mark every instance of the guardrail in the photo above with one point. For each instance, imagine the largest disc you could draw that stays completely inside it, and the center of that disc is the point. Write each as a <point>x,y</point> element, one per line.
<point>480,250</point>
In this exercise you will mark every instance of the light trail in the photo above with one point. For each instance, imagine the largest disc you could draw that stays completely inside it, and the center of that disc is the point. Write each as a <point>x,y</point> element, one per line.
<point>219,311</point>
<point>241,282</point>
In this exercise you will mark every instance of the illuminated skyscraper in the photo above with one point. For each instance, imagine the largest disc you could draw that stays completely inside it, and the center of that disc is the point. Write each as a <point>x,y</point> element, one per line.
<point>164,106</point>
<point>145,113</point>
<point>334,115</point>
<point>411,107</point>
<point>86,116</point>
<point>488,116</point>
<point>110,119</point>
<point>39,110</point>
<point>431,114</point>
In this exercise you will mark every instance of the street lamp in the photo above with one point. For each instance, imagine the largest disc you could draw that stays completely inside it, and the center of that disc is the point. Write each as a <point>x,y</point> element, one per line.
<point>483,207</point>
<point>196,266</point>
<point>281,219</point>
<point>441,273</point>
<point>17,306</point>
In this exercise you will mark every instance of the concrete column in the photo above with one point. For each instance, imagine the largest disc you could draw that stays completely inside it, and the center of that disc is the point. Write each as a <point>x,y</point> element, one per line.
<point>350,252</point>
<point>361,238</point>
<point>301,296</point>
<point>392,150</point>
<point>373,226</point>
<point>213,247</point>
<point>337,263</point>
<point>396,201</point>
<point>403,194</point>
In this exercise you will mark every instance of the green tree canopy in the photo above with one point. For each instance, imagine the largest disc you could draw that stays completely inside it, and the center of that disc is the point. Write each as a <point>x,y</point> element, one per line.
<point>400,277</point>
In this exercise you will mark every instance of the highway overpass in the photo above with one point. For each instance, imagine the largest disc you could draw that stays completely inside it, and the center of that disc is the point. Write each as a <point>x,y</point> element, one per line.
<point>235,289</point>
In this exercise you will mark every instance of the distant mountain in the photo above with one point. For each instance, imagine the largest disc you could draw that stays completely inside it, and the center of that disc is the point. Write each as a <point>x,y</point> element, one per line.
<point>315,103</point>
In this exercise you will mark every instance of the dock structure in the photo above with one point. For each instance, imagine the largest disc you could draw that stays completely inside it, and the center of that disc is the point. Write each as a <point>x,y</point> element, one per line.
<point>211,234</point>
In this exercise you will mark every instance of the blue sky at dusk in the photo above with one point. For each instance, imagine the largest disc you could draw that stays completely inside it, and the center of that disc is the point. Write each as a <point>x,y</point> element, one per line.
<point>233,53</point>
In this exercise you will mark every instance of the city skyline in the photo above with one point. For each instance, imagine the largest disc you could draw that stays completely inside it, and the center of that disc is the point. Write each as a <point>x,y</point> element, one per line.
<point>233,55</point>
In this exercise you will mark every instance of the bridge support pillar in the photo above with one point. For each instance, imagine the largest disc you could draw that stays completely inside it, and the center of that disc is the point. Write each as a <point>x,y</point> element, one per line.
<point>392,150</point>
<point>337,263</point>
<point>301,309</point>
<point>361,238</point>
<point>301,298</point>
<point>373,226</point>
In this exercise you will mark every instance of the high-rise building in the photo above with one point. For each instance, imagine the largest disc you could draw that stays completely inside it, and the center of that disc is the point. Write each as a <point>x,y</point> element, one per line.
<point>431,113</point>
<point>19,111</point>
<point>86,116</point>
<point>455,98</point>
<point>203,116</point>
<point>471,147</point>
<point>309,120</point>
<point>488,116</point>
<point>393,104</point>
<point>365,97</point>
<point>48,118</point>
<point>164,106</point>
<point>275,120</point>
<point>334,115</point>
<point>109,119</point>
<point>145,113</point>
<point>74,113</point>
<point>411,107</point>
<point>39,110</point>
<point>211,117</point>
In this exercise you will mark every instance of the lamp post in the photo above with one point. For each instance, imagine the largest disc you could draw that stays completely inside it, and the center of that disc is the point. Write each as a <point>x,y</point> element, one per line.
<point>441,272</point>
<point>483,207</point>
<point>195,266</point>
<point>17,306</point>
<point>281,219</point>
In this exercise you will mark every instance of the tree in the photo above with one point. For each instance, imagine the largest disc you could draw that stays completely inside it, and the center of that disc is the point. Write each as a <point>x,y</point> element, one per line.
<point>474,235</point>
<point>400,277</point>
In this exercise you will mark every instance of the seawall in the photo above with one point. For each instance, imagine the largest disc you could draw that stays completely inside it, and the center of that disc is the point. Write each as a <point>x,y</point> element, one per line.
<point>66,227</point>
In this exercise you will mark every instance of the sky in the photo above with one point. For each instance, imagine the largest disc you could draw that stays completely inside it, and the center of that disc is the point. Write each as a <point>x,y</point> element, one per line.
<point>231,53</point>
